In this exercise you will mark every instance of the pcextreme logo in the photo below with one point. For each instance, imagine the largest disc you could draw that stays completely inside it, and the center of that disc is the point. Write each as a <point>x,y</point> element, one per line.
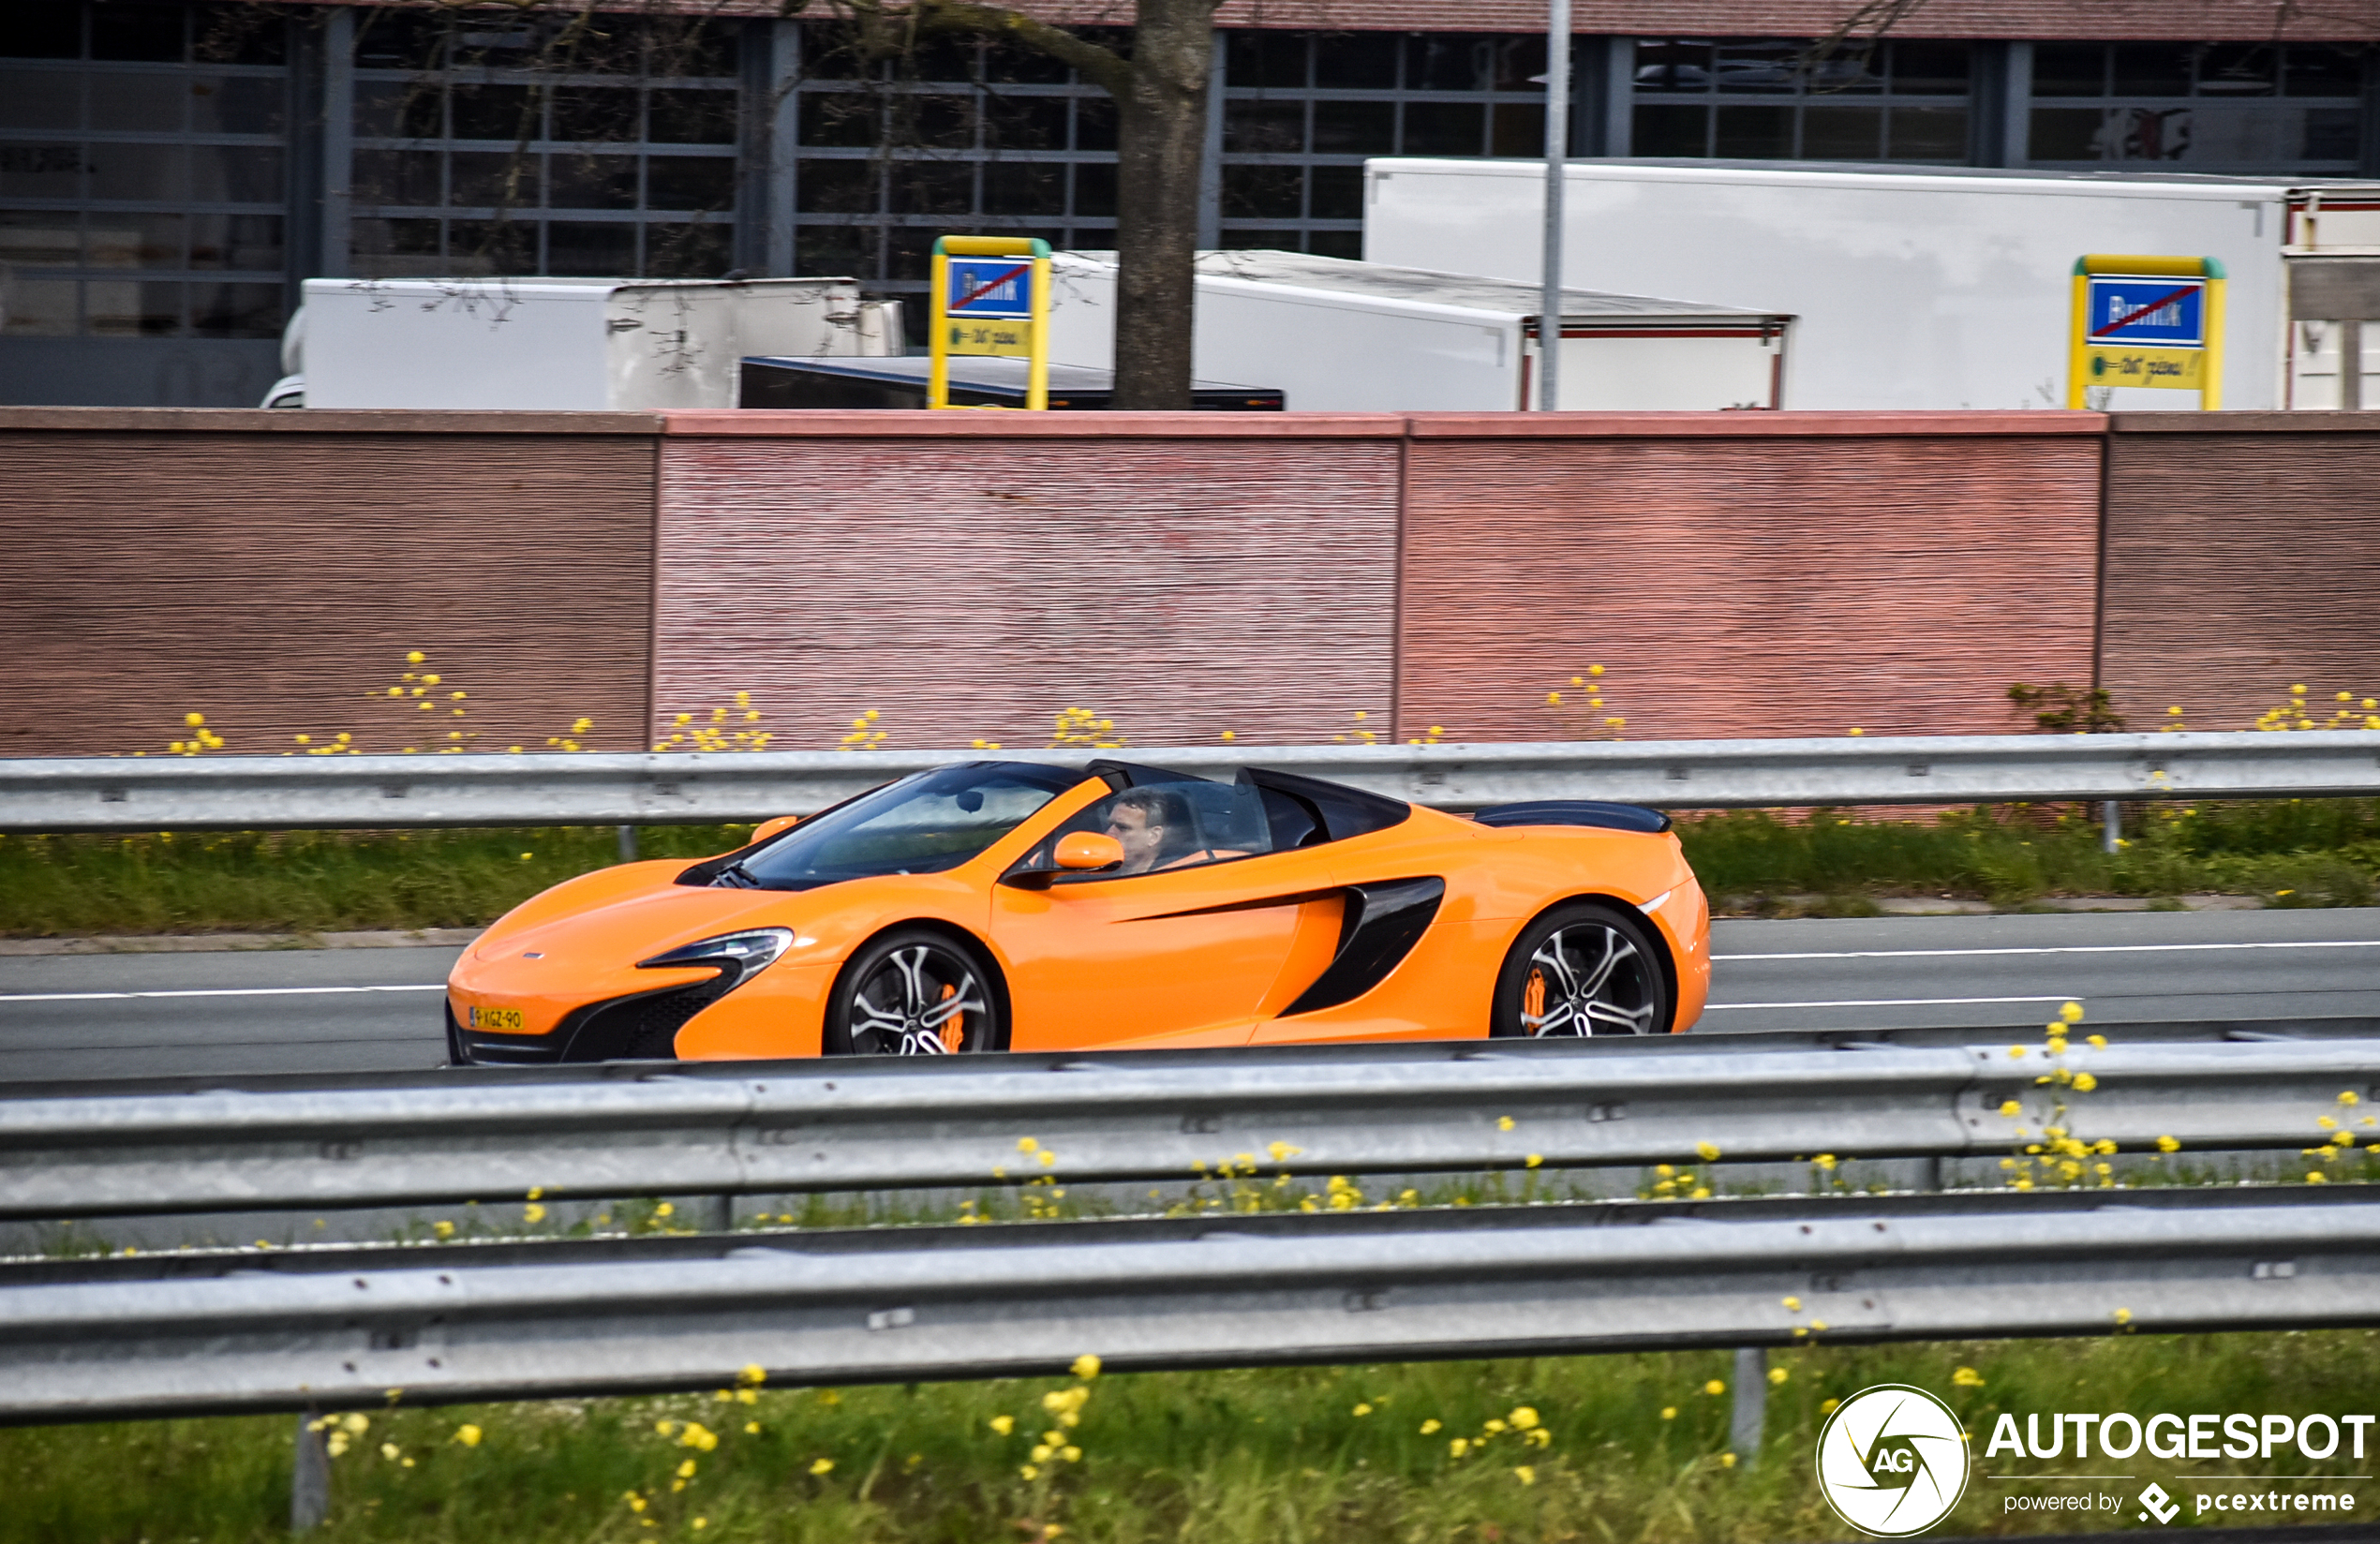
<point>1892,1460</point>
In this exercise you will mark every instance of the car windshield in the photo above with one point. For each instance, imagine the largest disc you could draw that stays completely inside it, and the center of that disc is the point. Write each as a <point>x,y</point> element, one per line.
<point>918,825</point>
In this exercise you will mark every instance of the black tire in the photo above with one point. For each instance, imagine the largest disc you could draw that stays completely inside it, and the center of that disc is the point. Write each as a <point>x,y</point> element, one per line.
<point>890,1000</point>
<point>1583,968</point>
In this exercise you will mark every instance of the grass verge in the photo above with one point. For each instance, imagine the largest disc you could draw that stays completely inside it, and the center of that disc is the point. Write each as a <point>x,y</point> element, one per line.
<point>1633,1447</point>
<point>2289,852</point>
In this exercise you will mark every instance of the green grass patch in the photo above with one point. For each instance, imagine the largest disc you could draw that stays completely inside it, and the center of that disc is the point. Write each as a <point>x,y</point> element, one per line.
<point>1634,1448</point>
<point>2290,853</point>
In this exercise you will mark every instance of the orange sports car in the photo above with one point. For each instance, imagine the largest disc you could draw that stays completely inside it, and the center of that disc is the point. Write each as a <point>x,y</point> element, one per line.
<point>1013,905</point>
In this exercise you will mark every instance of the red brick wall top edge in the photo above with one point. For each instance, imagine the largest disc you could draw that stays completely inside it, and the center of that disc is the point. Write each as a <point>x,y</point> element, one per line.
<point>799,422</point>
<point>2255,422</point>
<point>2187,20</point>
<point>1748,425</point>
<point>326,420</point>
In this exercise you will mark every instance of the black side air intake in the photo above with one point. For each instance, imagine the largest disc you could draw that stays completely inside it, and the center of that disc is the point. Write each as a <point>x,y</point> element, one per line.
<point>1381,924</point>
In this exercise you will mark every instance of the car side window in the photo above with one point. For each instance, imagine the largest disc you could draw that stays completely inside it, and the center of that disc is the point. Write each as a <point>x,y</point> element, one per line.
<point>1172,825</point>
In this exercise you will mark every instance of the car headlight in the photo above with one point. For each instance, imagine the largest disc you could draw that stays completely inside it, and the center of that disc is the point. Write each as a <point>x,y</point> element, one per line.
<point>736,956</point>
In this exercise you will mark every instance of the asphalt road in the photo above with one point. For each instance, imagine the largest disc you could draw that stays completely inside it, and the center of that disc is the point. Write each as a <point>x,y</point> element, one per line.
<point>356,1010</point>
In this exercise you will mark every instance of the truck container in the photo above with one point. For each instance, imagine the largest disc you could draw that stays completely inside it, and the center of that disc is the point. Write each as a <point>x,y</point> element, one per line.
<point>976,381</point>
<point>1924,289</point>
<point>1335,334</point>
<point>562,342</point>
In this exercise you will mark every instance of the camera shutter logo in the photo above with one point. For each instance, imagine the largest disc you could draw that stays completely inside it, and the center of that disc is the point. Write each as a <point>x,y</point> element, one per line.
<point>1892,1460</point>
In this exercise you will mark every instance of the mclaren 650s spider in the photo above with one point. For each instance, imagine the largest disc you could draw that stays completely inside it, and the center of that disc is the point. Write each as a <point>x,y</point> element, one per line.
<point>1010,905</point>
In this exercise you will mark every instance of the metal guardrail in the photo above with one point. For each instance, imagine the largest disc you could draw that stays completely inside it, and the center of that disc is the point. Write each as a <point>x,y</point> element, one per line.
<point>877,1123</point>
<point>901,1305</point>
<point>252,791</point>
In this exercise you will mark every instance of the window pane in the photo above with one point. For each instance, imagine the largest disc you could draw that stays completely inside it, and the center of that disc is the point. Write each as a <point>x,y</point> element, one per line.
<point>1355,128</point>
<point>40,98</point>
<point>831,52</point>
<point>833,187</point>
<point>136,241</point>
<point>44,32</point>
<point>1930,69</point>
<point>137,101</point>
<point>942,123</point>
<point>596,251</point>
<point>37,307</point>
<point>933,188</point>
<point>119,309</point>
<point>40,171</point>
<point>1756,133</point>
<point>1448,61</point>
<point>908,254</point>
<point>235,241</point>
<point>1518,64</point>
<point>1096,189</point>
<point>494,113</point>
<point>1094,238</point>
<point>2238,69</point>
<point>590,182</point>
<point>846,251</point>
<point>397,176</point>
<point>1759,65</point>
<point>237,33</point>
<point>1356,61</point>
<point>394,39</point>
<point>2332,134</point>
<point>147,31</point>
<point>1258,127</point>
<point>2149,134</point>
<point>1265,58</point>
<point>691,117</point>
<point>1520,129</point>
<point>841,119</point>
<point>684,181</point>
<point>1025,123</point>
<point>1335,243</point>
<point>475,247</point>
<point>1842,133</point>
<point>2069,69</point>
<point>40,238</point>
<point>1260,241</point>
<point>689,251</point>
<point>235,310</point>
<point>1670,128</point>
<point>394,248</point>
<point>386,110</point>
<point>1263,192</point>
<point>2065,134</point>
<point>687,49</point>
<point>1022,66</point>
<point>1445,128</point>
<point>232,173</point>
<point>239,105</point>
<point>1663,65</point>
<point>594,112</point>
<point>1337,192</point>
<point>1094,123</point>
<point>2151,69</point>
<point>1929,134</point>
<point>1022,187</point>
<point>491,179</point>
<point>940,58</point>
<point>1849,72</point>
<point>146,172</point>
<point>2317,69</point>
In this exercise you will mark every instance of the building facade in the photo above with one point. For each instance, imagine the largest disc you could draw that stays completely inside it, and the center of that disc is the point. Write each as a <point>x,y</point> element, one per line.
<point>169,169</point>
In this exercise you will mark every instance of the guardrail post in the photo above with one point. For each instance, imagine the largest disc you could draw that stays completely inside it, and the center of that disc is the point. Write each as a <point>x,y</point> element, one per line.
<point>310,1476</point>
<point>628,844</point>
<point>2111,826</point>
<point>1751,1405</point>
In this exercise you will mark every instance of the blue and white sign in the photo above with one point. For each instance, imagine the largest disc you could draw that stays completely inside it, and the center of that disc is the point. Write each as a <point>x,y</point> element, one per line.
<point>2168,313</point>
<point>983,288</point>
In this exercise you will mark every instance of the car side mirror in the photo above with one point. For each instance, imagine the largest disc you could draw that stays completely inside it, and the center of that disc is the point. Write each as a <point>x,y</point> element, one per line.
<point>768,828</point>
<point>1081,852</point>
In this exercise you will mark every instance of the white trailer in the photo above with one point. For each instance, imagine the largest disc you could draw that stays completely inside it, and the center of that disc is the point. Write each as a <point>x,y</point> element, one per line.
<point>1941,288</point>
<point>562,342</point>
<point>1333,334</point>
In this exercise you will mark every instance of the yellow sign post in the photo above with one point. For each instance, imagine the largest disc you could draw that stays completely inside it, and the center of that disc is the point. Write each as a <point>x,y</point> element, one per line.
<point>2147,321</point>
<point>992,296</point>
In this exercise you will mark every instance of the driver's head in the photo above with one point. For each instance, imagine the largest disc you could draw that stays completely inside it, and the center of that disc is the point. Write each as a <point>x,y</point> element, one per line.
<point>1145,819</point>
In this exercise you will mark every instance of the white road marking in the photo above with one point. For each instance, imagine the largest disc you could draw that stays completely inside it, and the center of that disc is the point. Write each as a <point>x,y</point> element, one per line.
<point>2058,949</point>
<point>208,991</point>
<point>1888,1003</point>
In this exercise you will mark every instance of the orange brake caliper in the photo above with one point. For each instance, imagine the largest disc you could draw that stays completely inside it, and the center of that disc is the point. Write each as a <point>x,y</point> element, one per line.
<point>954,1028</point>
<point>1533,998</point>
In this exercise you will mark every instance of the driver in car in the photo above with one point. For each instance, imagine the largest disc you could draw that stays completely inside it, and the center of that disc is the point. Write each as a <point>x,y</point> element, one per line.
<point>1155,826</point>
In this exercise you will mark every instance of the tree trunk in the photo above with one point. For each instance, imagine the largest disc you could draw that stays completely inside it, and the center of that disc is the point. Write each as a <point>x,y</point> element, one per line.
<point>1161,152</point>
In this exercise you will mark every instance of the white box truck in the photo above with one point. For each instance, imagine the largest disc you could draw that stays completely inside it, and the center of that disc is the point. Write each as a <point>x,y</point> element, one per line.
<point>1338,335</point>
<point>1941,288</point>
<point>562,342</point>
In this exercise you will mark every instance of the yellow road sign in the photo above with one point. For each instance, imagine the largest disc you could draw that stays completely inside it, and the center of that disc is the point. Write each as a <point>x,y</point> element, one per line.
<point>2153,321</point>
<point>992,296</point>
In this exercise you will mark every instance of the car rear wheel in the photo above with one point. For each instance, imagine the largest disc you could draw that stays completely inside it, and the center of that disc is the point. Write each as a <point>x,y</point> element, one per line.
<point>1579,970</point>
<point>916,992</point>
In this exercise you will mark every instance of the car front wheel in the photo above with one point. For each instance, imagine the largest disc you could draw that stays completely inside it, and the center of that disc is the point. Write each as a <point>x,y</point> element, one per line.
<point>1579,970</point>
<point>916,992</point>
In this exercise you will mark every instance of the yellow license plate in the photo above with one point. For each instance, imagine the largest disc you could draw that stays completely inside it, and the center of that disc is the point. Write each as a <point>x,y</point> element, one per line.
<point>501,1020</point>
